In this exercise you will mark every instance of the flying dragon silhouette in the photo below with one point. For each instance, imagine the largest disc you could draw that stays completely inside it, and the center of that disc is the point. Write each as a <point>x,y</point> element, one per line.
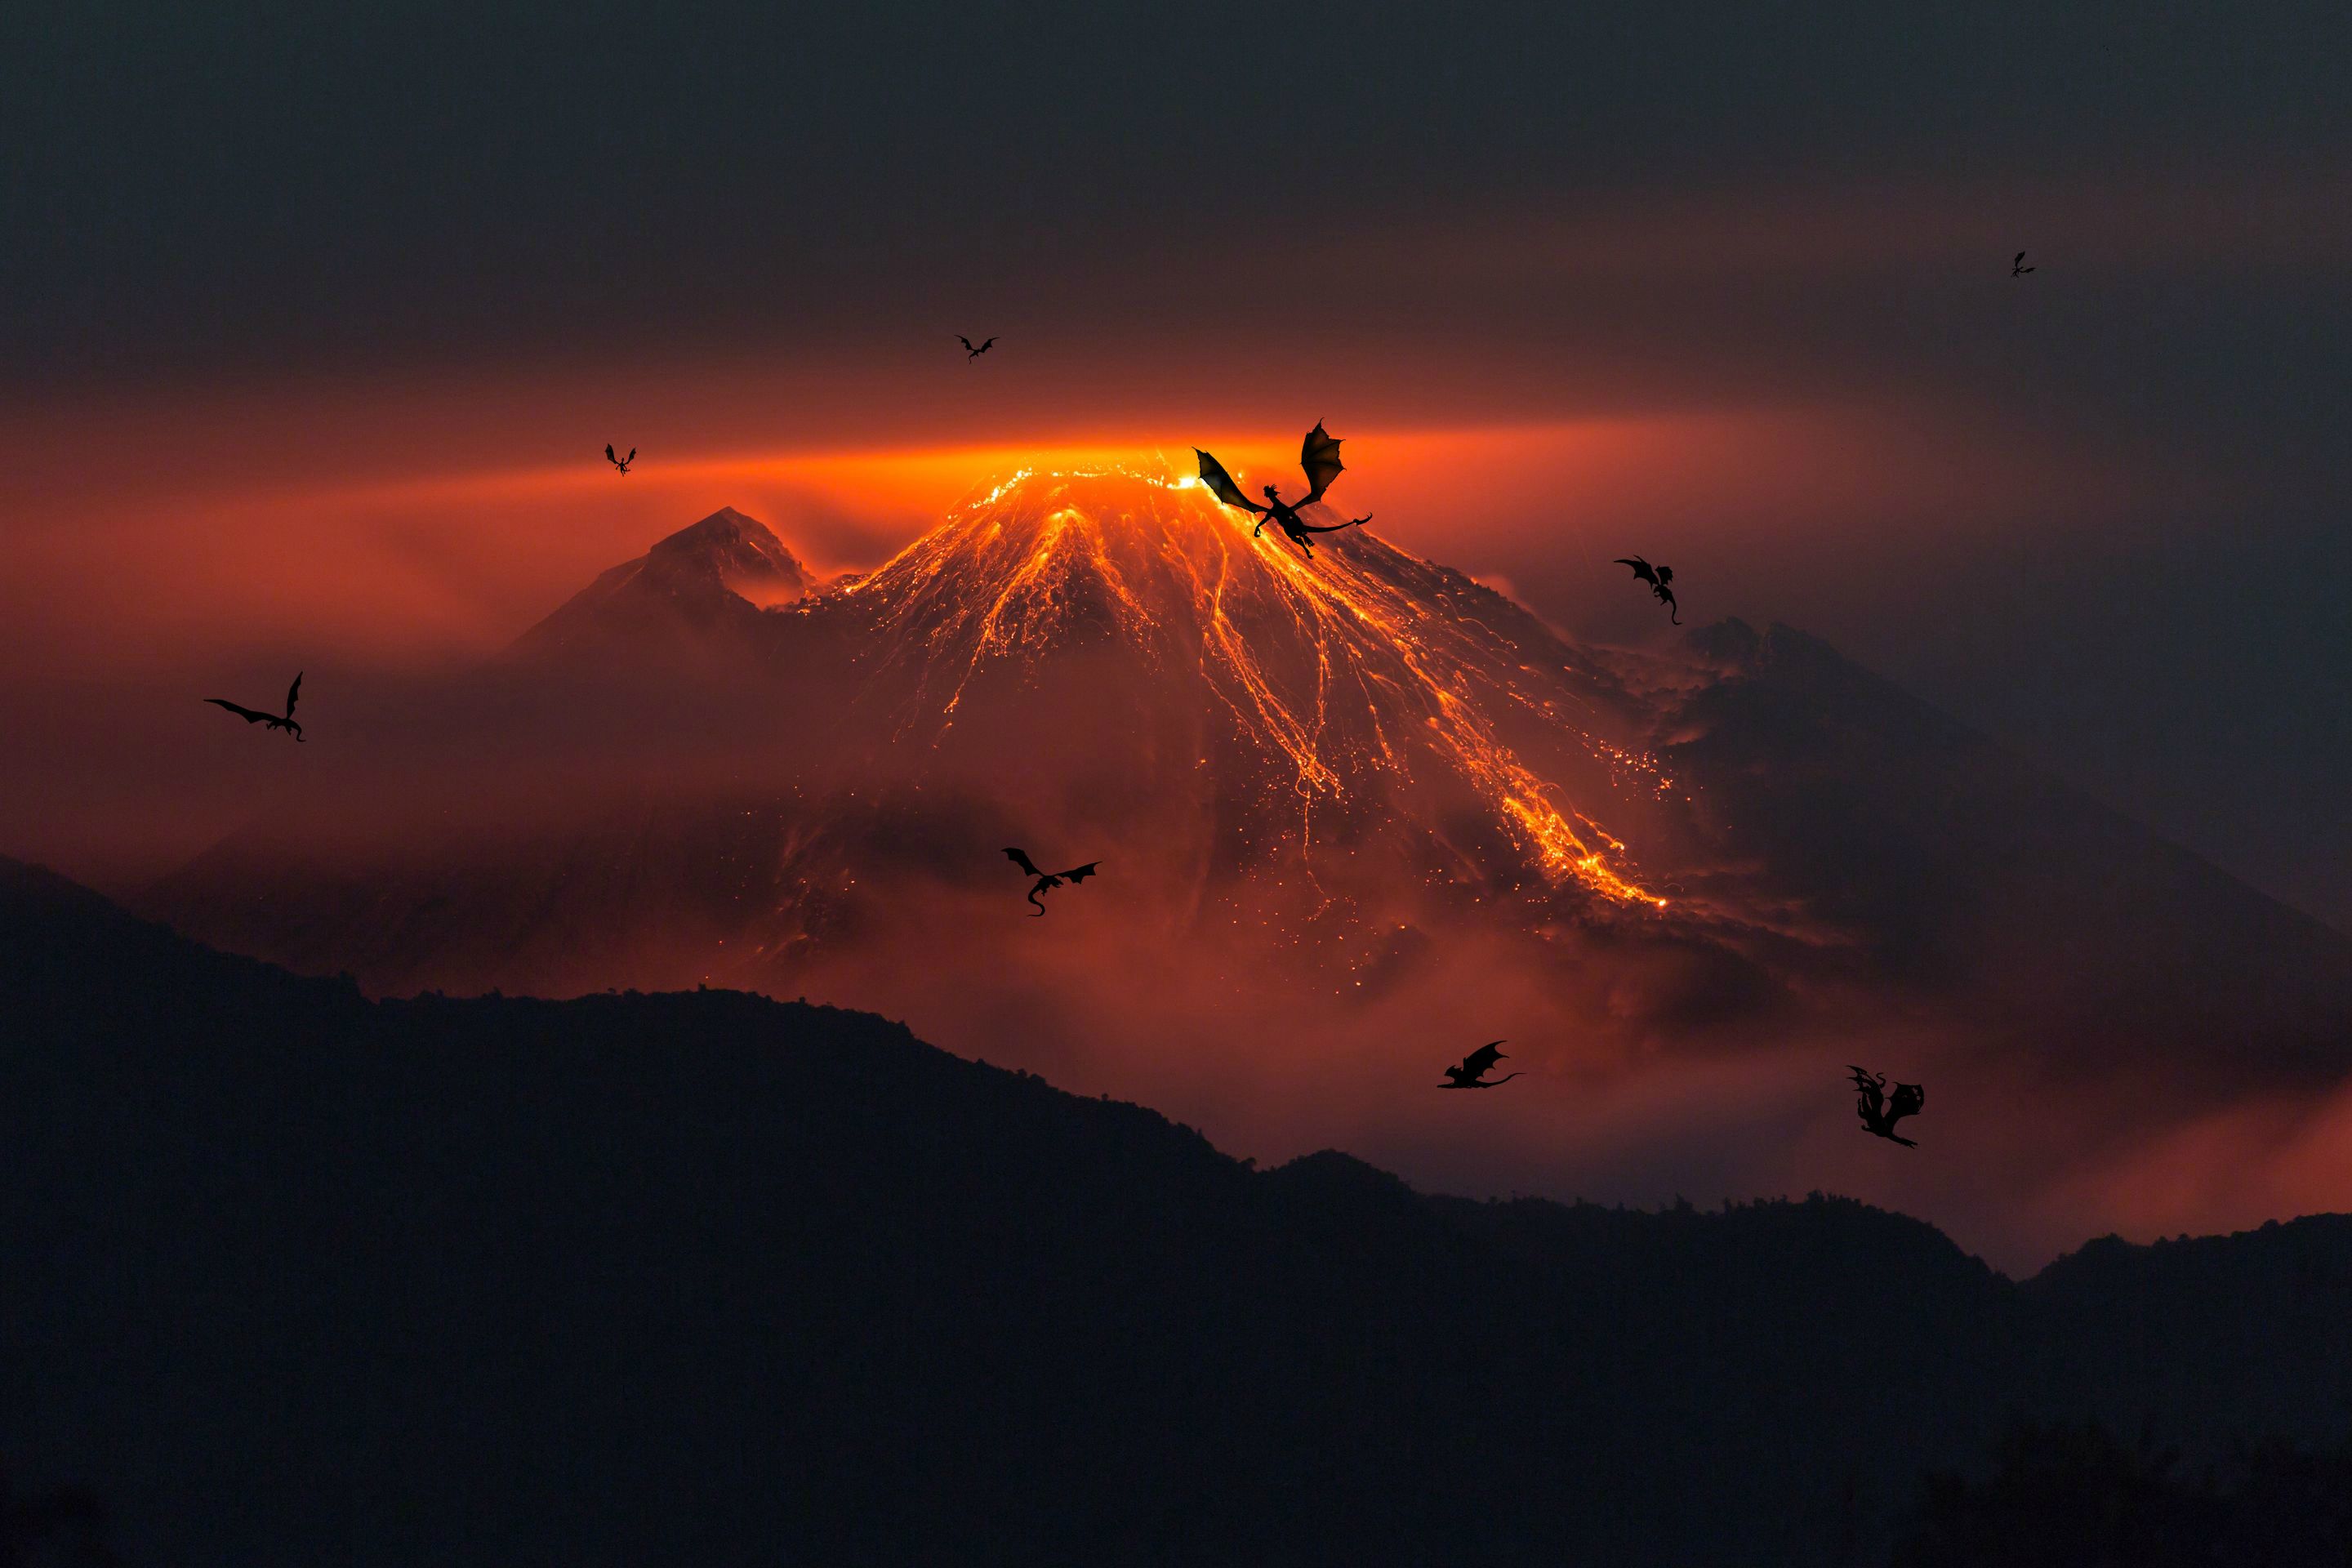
<point>970,352</point>
<point>2018,269</point>
<point>1879,1114</point>
<point>1048,880</point>
<point>276,722</point>
<point>620,463</point>
<point>1471,1073</point>
<point>1318,455</point>
<point>1659,578</point>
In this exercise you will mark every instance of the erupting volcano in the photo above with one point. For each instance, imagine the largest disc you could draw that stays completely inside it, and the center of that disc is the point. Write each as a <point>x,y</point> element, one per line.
<point>1343,803</point>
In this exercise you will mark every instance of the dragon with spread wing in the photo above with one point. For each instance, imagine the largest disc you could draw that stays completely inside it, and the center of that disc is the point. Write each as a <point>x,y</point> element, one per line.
<point>1319,457</point>
<point>1471,1073</point>
<point>1661,580</point>
<point>271,721</point>
<point>1048,880</point>
<point>1879,1113</point>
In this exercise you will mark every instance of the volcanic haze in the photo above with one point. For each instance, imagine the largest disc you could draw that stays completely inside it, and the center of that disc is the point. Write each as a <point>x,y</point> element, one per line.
<point>1356,815</point>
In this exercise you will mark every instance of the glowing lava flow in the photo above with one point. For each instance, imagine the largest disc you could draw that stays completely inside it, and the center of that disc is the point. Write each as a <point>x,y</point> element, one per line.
<point>1338,666</point>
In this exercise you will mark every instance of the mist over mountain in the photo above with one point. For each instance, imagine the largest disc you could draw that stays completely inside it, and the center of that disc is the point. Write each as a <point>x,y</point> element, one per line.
<point>294,1274</point>
<point>1343,805</point>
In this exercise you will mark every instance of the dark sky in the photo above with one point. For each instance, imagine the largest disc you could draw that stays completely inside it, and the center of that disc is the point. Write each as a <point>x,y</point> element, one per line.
<point>278,183</point>
<point>1448,217</point>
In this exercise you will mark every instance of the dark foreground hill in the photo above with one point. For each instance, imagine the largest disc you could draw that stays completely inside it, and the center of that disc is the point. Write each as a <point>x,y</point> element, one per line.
<point>291,1276</point>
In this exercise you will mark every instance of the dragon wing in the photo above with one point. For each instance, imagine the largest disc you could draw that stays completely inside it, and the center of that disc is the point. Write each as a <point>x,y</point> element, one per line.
<point>1021,860</point>
<point>247,714</point>
<point>293,695</point>
<point>1909,1100</point>
<point>1872,1102</point>
<point>1320,456</point>
<point>1483,1058</point>
<point>610,456</point>
<point>1642,570</point>
<point>1081,873</point>
<point>1221,483</point>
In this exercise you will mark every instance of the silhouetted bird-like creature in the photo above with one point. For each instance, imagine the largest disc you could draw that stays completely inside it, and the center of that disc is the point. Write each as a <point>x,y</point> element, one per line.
<point>970,352</point>
<point>275,720</point>
<point>620,463</point>
<point>1471,1073</point>
<point>1048,880</point>
<point>1660,579</point>
<point>1879,1114</point>
<point>1318,456</point>
<point>2017,266</point>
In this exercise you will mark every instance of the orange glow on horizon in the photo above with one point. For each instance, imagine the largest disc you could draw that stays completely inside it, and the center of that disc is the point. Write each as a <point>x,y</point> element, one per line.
<point>104,565</point>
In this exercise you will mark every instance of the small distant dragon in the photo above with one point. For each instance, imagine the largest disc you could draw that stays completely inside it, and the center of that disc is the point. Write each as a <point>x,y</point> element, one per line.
<point>971,353</point>
<point>1048,880</point>
<point>1879,1114</point>
<point>1471,1073</point>
<point>274,720</point>
<point>619,462</point>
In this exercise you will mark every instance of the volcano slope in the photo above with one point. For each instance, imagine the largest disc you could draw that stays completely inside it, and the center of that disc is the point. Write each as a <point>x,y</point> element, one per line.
<point>293,1276</point>
<point>1342,806</point>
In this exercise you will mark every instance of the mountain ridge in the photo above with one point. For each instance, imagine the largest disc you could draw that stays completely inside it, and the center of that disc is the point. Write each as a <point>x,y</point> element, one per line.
<point>632,1274</point>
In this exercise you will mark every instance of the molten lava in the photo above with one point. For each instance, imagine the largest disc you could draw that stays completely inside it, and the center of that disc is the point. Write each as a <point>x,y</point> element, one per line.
<point>1359,677</point>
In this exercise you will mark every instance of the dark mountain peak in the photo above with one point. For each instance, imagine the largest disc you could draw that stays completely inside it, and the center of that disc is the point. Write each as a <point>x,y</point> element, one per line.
<point>728,538</point>
<point>702,582</point>
<point>730,552</point>
<point>728,522</point>
<point>1331,1172</point>
<point>1731,643</point>
<point>1737,648</point>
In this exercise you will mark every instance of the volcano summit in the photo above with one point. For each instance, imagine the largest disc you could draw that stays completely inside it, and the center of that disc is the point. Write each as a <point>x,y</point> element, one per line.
<point>1330,703</point>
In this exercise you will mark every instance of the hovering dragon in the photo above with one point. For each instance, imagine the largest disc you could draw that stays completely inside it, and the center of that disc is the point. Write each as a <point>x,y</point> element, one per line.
<point>620,463</point>
<point>1660,579</point>
<point>1318,455</point>
<point>275,720</point>
<point>1471,1073</point>
<point>1879,1114</point>
<point>971,353</point>
<point>1048,880</point>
